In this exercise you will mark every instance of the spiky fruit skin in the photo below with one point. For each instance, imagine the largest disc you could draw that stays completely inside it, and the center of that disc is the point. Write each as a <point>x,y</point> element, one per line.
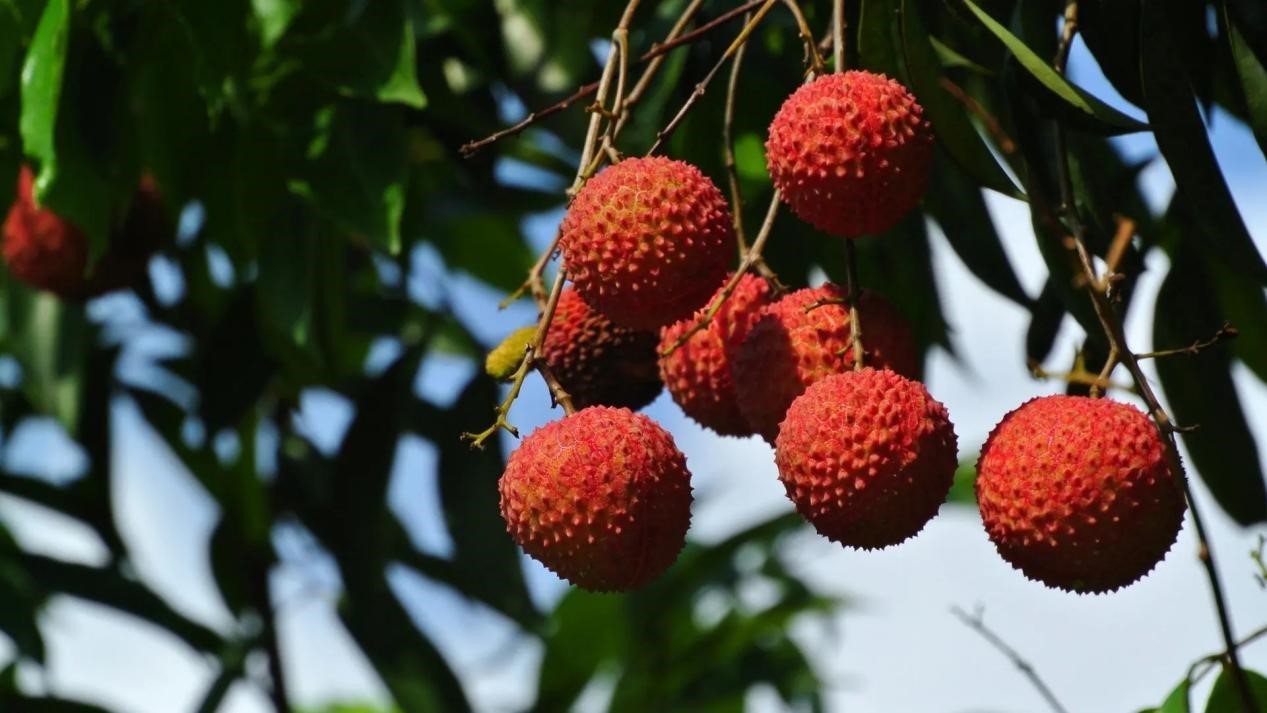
<point>602,498</point>
<point>1076,493</point>
<point>49,253</point>
<point>790,348</point>
<point>867,457</point>
<point>698,374</point>
<point>597,362</point>
<point>850,153</point>
<point>647,241</point>
<point>40,247</point>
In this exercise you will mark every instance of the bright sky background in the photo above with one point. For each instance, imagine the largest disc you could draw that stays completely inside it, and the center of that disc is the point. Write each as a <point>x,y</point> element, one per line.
<point>896,648</point>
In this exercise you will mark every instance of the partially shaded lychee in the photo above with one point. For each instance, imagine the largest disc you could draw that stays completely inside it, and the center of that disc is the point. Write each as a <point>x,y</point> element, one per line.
<point>698,374</point>
<point>867,457</point>
<point>1076,493</point>
<point>850,153</point>
<point>602,498</point>
<point>597,362</point>
<point>49,253</point>
<point>805,337</point>
<point>40,247</point>
<point>647,241</point>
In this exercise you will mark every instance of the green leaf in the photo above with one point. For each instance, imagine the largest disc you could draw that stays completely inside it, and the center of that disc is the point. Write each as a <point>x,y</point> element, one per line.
<point>585,631</point>
<point>1110,29</point>
<point>1225,699</point>
<point>371,55</point>
<point>960,210</point>
<point>948,116</point>
<point>1242,302</point>
<point>274,17</point>
<point>50,339</point>
<point>1253,78</point>
<point>467,239</point>
<point>355,171</point>
<point>963,490</point>
<point>1201,392</point>
<point>1181,136</point>
<point>1177,701</point>
<point>1106,118</point>
<point>42,75</point>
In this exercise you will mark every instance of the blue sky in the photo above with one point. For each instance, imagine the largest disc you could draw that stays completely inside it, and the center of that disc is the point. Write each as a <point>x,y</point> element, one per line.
<point>897,648</point>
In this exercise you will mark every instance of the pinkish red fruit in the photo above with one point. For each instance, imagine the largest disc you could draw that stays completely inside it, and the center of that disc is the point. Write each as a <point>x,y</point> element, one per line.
<point>1076,493</point>
<point>602,498</point>
<point>599,363</point>
<point>698,374</point>
<point>867,457</point>
<point>647,241</point>
<point>850,153</point>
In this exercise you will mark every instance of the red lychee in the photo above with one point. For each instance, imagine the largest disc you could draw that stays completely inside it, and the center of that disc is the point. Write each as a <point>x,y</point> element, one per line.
<point>647,241</point>
<point>867,457</point>
<point>47,252</point>
<point>698,374</point>
<point>599,363</point>
<point>602,498</point>
<point>805,337</point>
<point>1076,493</point>
<point>40,247</point>
<point>850,153</point>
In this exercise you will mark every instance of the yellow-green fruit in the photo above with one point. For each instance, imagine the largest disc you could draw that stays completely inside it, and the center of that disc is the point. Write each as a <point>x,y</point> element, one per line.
<point>504,359</point>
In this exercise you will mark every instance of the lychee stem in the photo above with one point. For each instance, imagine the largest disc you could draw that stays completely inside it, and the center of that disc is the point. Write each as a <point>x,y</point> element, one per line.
<point>977,623</point>
<point>1115,334</point>
<point>851,295</point>
<point>728,150</point>
<point>838,34</point>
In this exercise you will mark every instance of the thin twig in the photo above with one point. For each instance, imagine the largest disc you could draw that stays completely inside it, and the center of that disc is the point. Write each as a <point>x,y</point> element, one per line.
<point>1226,332</point>
<point>977,624</point>
<point>728,150</point>
<point>838,34</point>
<point>702,86</point>
<point>855,319</point>
<point>988,120</point>
<point>673,39</point>
<point>750,259</point>
<point>812,56</point>
<point>1078,376</point>
<point>471,148</point>
<point>1110,363</point>
<point>1116,335</point>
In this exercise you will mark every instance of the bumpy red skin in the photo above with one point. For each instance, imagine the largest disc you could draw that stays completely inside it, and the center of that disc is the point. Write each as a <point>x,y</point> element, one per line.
<point>602,498</point>
<point>40,248</point>
<point>850,153</point>
<point>647,241</point>
<point>698,374</point>
<point>867,457</point>
<point>599,363</point>
<point>47,252</point>
<point>789,348</point>
<point>1076,493</point>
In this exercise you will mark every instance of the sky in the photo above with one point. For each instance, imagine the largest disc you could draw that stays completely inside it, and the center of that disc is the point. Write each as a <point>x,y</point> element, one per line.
<point>895,647</point>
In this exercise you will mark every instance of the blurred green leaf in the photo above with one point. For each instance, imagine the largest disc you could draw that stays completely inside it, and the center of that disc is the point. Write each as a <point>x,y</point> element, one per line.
<point>1177,701</point>
<point>963,490</point>
<point>960,210</point>
<point>1201,392</point>
<point>1225,699</point>
<point>1183,141</point>
<point>1253,79</point>
<point>585,632</point>
<point>371,55</point>
<point>1096,114</point>
<point>948,116</point>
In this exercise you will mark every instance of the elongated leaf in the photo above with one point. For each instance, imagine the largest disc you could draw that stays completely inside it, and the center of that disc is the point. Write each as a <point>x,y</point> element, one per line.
<point>1106,118</point>
<point>586,631</point>
<point>1183,141</point>
<point>1111,30</point>
<point>949,117</point>
<point>1225,699</point>
<point>1242,302</point>
<point>1177,701</point>
<point>371,56</point>
<point>1253,77</point>
<point>960,210</point>
<point>1201,392</point>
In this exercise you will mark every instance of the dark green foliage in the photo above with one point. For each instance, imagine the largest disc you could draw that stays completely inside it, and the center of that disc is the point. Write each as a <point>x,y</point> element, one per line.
<point>320,142</point>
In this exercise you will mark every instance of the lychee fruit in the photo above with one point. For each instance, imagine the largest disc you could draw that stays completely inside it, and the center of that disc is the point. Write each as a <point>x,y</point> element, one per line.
<point>850,153</point>
<point>1076,493</point>
<point>597,362</point>
<point>601,497</point>
<point>49,253</point>
<point>804,337</point>
<point>647,241</point>
<point>698,373</point>
<point>41,248</point>
<point>867,457</point>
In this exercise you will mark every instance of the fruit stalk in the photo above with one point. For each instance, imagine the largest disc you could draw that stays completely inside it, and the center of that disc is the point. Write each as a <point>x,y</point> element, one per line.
<point>1115,333</point>
<point>838,34</point>
<point>855,320</point>
<point>977,624</point>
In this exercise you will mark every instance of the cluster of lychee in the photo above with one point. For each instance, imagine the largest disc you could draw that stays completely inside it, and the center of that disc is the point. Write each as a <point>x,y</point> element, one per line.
<point>48,252</point>
<point>1075,492</point>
